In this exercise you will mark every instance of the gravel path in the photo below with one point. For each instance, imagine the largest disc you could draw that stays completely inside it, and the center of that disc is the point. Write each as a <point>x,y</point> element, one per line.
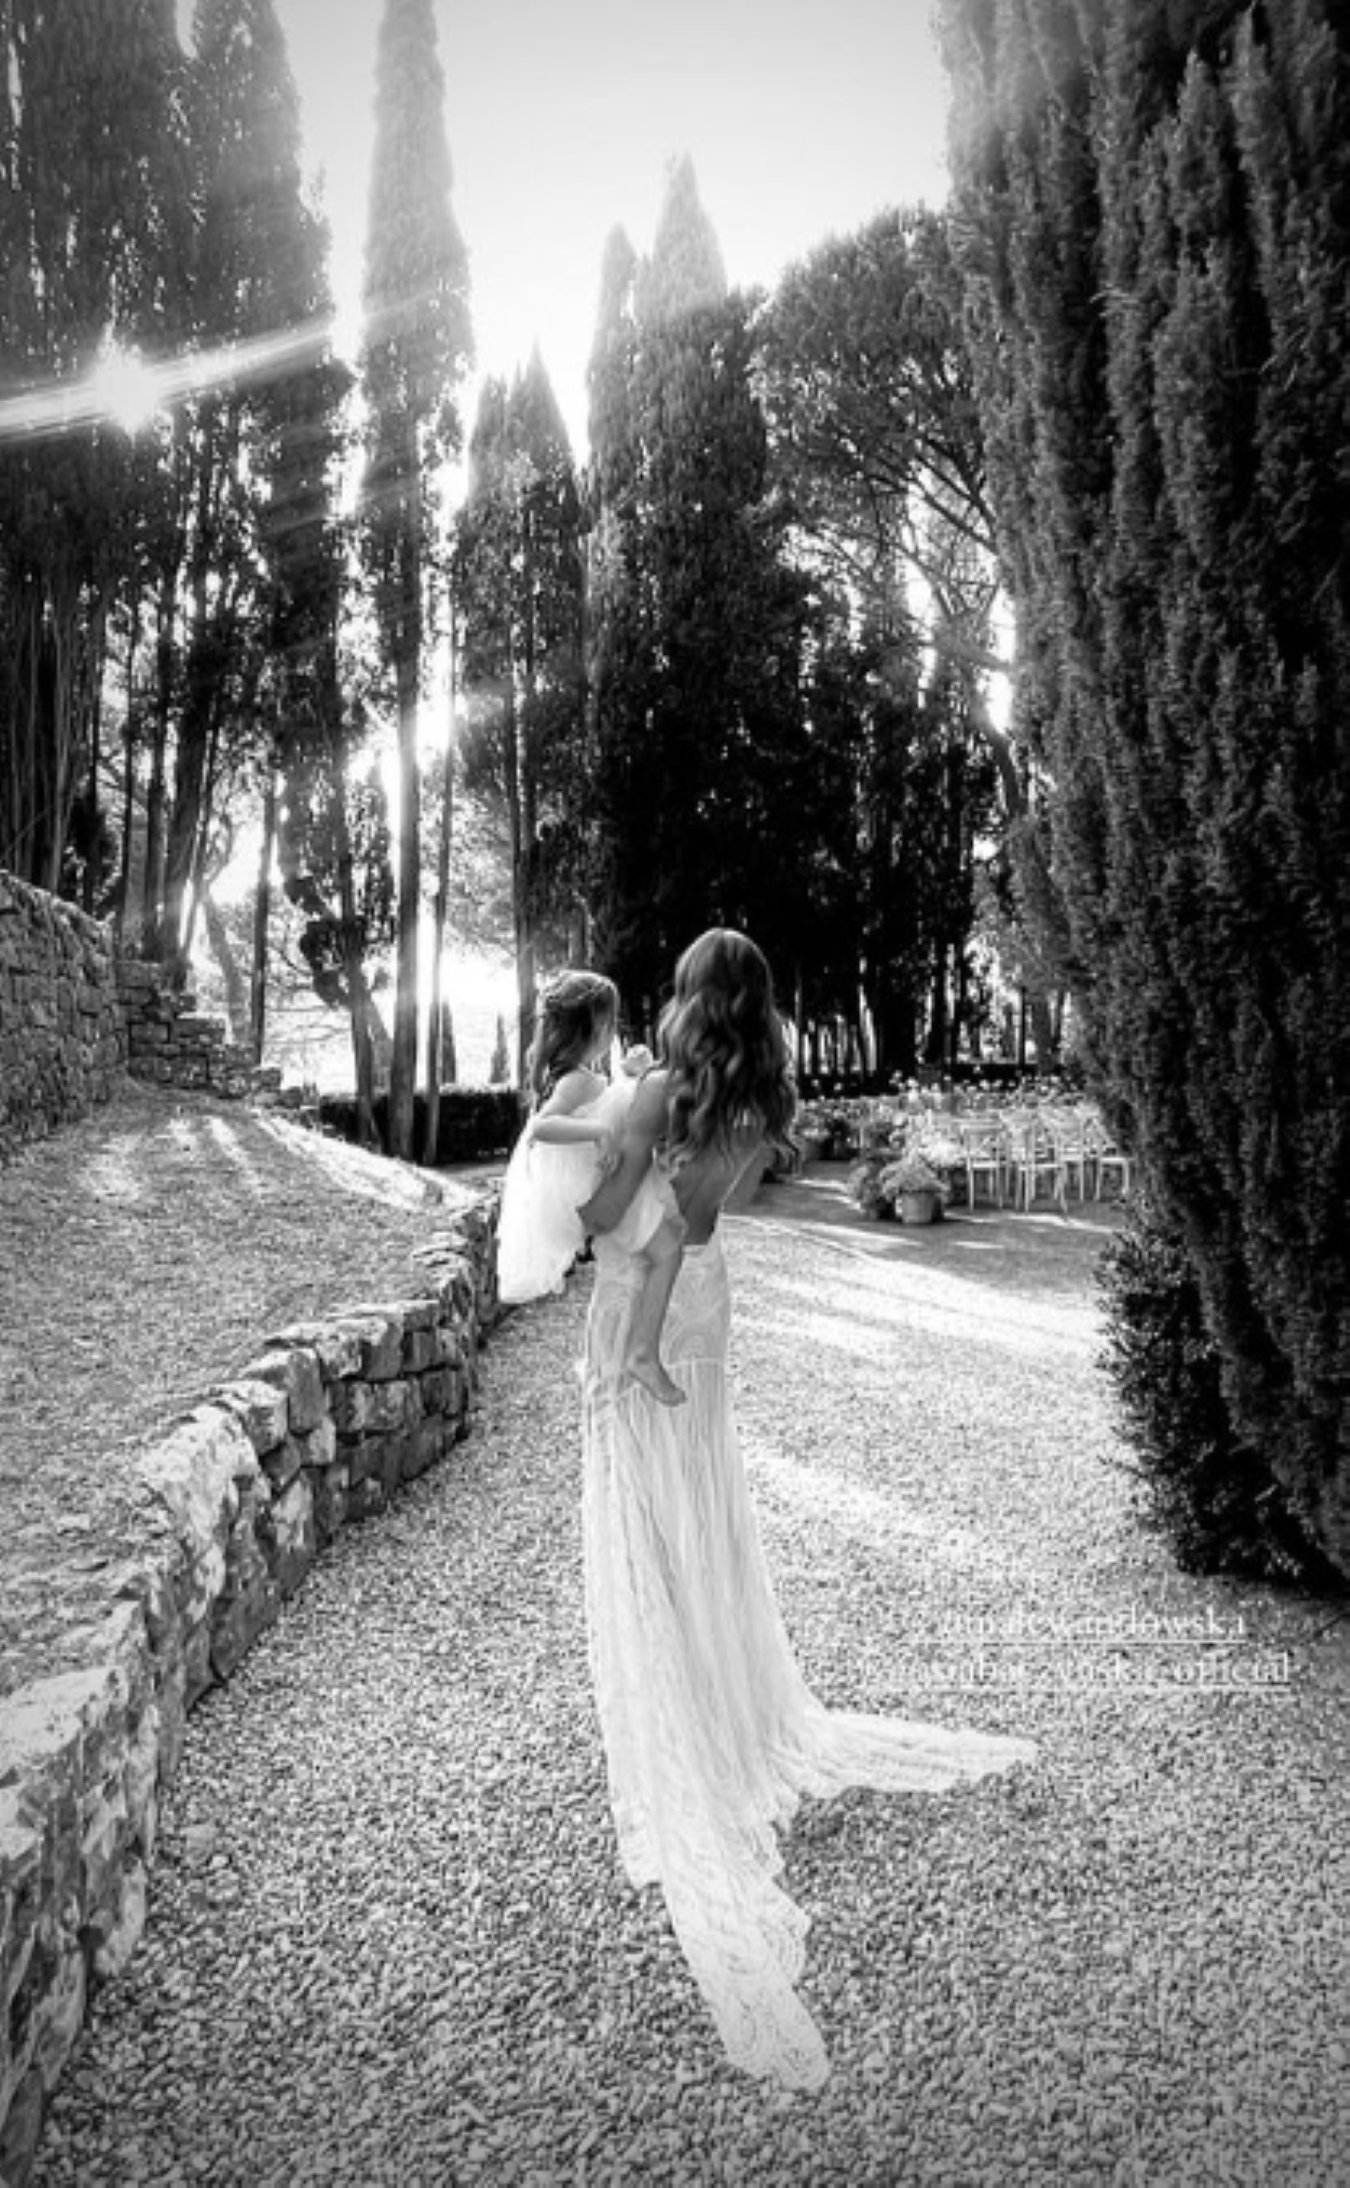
<point>388,1944</point>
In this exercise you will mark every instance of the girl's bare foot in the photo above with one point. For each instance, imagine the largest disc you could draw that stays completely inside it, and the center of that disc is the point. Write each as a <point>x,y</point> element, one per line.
<point>653,1377</point>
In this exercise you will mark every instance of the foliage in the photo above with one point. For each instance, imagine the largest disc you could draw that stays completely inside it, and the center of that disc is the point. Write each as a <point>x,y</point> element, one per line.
<point>1150,205</point>
<point>880,1179</point>
<point>93,177</point>
<point>416,346</point>
<point>1213,1495</point>
<point>475,1123</point>
<point>915,1171</point>
<point>518,593</point>
<point>700,804</point>
<point>876,454</point>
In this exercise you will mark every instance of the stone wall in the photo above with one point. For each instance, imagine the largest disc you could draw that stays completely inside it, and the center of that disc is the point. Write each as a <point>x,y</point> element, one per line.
<point>169,1041</point>
<point>74,1016</point>
<point>63,1039</point>
<point>320,1429</point>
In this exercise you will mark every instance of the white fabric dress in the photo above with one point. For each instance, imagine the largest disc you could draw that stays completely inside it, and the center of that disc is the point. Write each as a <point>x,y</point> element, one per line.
<point>711,1733</point>
<point>539,1233</point>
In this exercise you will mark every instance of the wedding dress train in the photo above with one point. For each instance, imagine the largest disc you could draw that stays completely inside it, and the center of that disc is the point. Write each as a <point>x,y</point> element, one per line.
<point>711,1733</point>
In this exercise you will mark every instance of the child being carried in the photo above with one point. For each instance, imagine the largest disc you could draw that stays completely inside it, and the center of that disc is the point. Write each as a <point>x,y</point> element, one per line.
<point>567,1147</point>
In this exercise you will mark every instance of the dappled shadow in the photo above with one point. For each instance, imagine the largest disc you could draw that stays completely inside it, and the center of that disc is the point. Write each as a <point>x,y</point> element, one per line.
<point>1035,1252</point>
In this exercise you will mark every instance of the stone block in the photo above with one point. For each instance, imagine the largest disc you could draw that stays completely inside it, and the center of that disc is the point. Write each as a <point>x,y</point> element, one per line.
<point>59,2015</point>
<point>329,1485</point>
<point>172,1703</point>
<point>443,1392</point>
<point>262,1409</point>
<point>450,1345</point>
<point>296,1370</point>
<point>419,1350</point>
<point>393,1407</point>
<point>361,1457</point>
<point>197,1673</point>
<point>105,1833</point>
<point>293,1520</point>
<point>352,1407</point>
<point>20,1898</point>
<point>117,1931</point>
<point>338,1351</point>
<point>379,1331</point>
<point>427,1443</point>
<point>366,1498</point>
<point>240,1615</point>
<point>141,1779</point>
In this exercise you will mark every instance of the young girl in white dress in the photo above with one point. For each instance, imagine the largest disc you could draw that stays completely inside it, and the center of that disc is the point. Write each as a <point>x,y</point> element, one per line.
<point>565,1150</point>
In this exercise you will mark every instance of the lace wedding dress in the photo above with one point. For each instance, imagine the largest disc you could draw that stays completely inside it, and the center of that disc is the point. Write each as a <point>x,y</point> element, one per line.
<point>711,1734</point>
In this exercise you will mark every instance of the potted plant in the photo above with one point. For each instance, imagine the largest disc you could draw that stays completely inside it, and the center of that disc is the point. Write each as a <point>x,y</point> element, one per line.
<point>865,1186</point>
<point>917,1191</point>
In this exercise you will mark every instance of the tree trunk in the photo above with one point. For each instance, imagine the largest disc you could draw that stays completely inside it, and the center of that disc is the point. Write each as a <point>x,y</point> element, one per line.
<point>262,916</point>
<point>185,819</point>
<point>437,1014</point>
<point>362,1013</point>
<point>403,1068</point>
<point>152,893</point>
<point>935,1046</point>
<point>222,949</point>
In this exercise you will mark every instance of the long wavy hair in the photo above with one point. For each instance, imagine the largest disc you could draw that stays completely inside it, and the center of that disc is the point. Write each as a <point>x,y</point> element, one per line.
<point>722,1042</point>
<point>574,1008</point>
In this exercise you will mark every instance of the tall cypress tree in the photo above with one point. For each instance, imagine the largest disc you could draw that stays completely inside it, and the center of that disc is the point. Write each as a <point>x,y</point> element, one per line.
<point>697,622</point>
<point>92,179</point>
<point>518,582</point>
<point>1150,204</point>
<point>257,277</point>
<point>416,347</point>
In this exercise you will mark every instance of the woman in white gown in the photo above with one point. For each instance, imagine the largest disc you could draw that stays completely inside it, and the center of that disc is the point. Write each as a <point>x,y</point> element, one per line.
<point>711,1734</point>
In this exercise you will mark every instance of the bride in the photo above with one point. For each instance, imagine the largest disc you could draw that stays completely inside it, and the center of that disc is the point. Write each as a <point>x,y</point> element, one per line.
<point>711,1734</point>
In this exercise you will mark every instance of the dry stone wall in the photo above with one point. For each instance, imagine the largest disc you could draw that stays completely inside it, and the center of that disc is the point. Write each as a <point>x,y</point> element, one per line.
<point>168,1040</point>
<point>320,1430</point>
<point>74,1016</point>
<point>63,1038</point>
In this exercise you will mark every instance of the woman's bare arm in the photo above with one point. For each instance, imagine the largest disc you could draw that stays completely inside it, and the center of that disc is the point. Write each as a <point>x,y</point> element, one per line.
<point>639,1135</point>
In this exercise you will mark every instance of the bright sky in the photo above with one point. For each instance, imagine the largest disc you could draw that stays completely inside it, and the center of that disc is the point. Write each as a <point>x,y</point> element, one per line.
<point>802,117</point>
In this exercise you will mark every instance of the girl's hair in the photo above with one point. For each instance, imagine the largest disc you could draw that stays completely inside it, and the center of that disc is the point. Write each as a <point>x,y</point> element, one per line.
<point>722,1042</point>
<point>574,1008</point>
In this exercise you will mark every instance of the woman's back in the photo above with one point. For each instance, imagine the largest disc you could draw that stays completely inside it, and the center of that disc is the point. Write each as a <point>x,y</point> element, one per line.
<point>704,1182</point>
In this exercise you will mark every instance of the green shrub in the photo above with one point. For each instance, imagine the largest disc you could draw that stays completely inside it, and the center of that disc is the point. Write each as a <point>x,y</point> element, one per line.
<point>476,1124</point>
<point>1215,1498</point>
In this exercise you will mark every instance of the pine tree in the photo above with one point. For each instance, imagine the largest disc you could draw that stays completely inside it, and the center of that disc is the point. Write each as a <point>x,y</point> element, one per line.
<point>1150,203</point>
<point>416,347</point>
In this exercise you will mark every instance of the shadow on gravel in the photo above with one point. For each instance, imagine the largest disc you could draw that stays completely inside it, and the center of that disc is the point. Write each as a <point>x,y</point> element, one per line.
<point>1034,1252</point>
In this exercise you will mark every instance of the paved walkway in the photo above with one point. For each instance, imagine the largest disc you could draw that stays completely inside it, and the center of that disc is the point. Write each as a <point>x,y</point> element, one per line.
<point>388,1944</point>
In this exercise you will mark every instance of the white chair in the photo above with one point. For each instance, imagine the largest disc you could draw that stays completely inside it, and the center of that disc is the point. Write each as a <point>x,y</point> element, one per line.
<point>1105,1155</point>
<point>1068,1131</point>
<point>1031,1156</point>
<point>984,1146</point>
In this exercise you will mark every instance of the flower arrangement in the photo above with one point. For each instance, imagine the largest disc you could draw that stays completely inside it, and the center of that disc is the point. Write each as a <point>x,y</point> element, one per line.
<point>938,1151</point>
<point>914,1172</point>
<point>865,1186</point>
<point>881,1179</point>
